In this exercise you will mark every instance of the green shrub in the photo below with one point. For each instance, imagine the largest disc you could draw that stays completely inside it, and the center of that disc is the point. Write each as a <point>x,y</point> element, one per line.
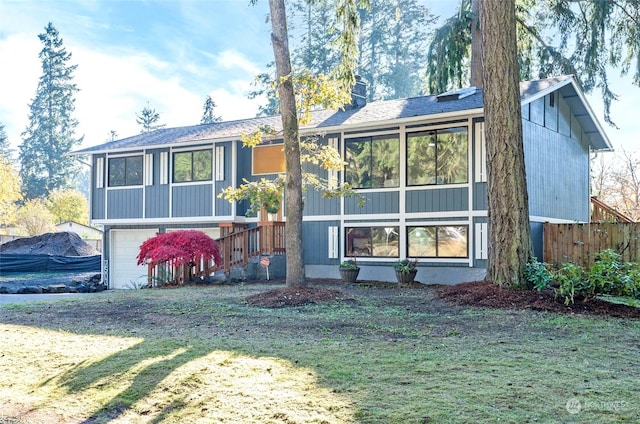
<point>537,274</point>
<point>572,282</point>
<point>610,275</point>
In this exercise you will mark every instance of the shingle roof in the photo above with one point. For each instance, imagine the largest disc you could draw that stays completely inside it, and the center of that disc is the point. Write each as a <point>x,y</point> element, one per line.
<point>322,120</point>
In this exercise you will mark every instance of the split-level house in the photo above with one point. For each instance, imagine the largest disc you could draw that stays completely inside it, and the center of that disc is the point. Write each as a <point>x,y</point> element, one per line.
<point>419,163</point>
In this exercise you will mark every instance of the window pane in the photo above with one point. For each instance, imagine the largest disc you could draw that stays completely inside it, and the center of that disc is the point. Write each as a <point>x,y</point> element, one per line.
<point>358,241</point>
<point>372,241</point>
<point>384,241</point>
<point>422,241</point>
<point>452,242</point>
<point>373,162</point>
<point>421,159</point>
<point>438,241</point>
<point>133,170</point>
<point>452,156</point>
<point>385,162</point>
<point>182,167</point>
<point>202,170</point>
<point>116,172</point>
<point>358,158</point>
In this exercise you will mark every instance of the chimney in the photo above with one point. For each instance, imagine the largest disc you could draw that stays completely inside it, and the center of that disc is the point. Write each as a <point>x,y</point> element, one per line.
<point>358,94</point>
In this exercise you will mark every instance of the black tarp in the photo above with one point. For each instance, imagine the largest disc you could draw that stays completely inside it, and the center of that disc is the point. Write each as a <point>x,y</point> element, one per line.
<point>49,263</point>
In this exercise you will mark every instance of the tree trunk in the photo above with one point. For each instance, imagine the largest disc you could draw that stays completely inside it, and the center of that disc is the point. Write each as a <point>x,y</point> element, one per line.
<point>476,45</point>
<point>508,208</point>
<point>293,184</point>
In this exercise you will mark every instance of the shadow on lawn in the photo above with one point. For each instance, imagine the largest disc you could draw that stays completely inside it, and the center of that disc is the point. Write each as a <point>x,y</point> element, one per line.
<point>150,371</point>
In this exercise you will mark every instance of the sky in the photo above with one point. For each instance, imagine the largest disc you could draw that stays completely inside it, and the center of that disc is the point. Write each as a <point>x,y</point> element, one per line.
<point>169,55</point>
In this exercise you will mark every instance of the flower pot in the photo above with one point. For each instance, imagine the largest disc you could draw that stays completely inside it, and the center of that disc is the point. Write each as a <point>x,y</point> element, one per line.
<point>349,275</point>
<point>406,277</point>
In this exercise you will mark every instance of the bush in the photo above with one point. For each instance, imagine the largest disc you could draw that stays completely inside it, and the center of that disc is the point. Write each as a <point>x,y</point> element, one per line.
<point>181,247</point>
<point>572,282</point>
<point>610,275</point>
<point>537,274</point>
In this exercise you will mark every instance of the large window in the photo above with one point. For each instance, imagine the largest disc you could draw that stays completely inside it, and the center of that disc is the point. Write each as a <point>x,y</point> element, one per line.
<point>192,166</point>
<point>438,157</point>
<point>372,241</point>
<point>373,162</point>
<point>125,171</point>
<point>438,241</point>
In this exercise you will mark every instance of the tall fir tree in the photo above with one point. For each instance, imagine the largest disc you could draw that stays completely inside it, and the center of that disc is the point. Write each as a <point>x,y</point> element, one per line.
<point>50,134</point>
<point>5,147</point>
<point>208,116</point>
<point>393,37</point>
<point>148,119</point>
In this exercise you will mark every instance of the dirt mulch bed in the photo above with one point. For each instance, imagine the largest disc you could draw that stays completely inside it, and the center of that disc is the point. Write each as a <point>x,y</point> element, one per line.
<point>489,295</point>
<point>477,293</point>
<point>295,296</point>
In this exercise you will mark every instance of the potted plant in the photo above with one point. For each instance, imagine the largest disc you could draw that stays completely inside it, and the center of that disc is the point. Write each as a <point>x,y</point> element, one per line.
<point>406,270</point>
<point>349,270</point>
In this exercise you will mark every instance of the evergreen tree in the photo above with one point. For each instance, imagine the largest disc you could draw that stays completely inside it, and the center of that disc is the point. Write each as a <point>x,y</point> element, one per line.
<point>208,116</point>
<point>50,135</point>
<point>508,206</point>
<point>5,147</point>
<point>591,38</point>
<point>393,42</point>
<point>148,118</point>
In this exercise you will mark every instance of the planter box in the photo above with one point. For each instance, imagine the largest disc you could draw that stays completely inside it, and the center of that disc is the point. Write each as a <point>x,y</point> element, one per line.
<point>349,275</point>
<point>408,277</point>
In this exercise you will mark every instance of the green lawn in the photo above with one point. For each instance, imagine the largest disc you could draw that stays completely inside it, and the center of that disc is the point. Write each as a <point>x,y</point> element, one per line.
<point>201,355</point>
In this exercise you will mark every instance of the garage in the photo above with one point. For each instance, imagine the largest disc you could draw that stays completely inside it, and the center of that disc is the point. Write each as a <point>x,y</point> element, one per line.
<point>124,273</point>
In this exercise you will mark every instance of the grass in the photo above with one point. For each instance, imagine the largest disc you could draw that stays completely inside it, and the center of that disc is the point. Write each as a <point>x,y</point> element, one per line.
<point>200,355</point>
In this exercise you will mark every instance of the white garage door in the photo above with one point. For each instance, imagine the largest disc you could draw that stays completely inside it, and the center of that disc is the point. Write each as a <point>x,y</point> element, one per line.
<point>124,273</point>
<point>214,232</point>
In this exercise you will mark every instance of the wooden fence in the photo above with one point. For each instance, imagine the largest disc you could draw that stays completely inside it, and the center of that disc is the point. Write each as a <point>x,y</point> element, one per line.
<point>578,243</point>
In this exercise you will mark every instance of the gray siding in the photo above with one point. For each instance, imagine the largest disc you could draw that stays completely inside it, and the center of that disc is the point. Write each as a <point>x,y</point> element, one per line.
<point>437,200</point>
<point>537,238</point>
<point>124,203</point>
<point>315,242</point>
<point>557,174</point>
<point>375,203</point>
<point>480,197</point>
<point>536,111</point>
<point>192,200</point>
<point>157,201</point>
<point>97,194</point>
<point>243,170</point>
<point>315,204</point>
<point>223,207</point>
<point>156,197</point>
<point>551,111</point>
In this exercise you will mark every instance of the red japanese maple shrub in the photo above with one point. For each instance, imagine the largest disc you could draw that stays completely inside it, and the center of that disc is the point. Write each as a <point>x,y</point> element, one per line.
<point>182,247</point>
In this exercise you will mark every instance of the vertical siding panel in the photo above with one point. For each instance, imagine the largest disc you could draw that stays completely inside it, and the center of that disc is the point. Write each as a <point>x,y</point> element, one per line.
<point>536,109</point>
<point>551,112</point>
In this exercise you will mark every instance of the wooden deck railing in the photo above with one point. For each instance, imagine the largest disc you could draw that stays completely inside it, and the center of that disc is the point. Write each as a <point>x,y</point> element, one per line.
<point>236,249</point>
<point>601,212</point>
<point>265,239</point>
